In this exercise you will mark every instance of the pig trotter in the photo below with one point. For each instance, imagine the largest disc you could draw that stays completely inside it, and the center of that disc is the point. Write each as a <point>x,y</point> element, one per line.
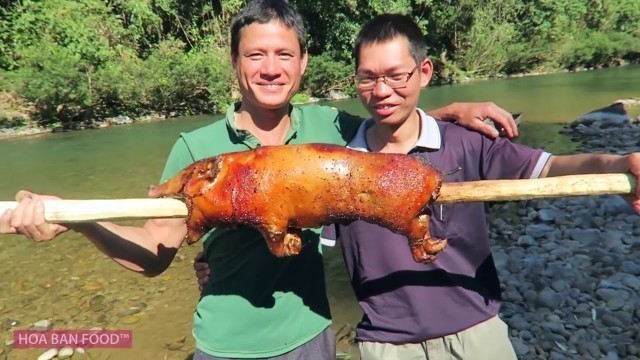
<point>292,242</point>
<point>282,241</point>
<point>424,248</point>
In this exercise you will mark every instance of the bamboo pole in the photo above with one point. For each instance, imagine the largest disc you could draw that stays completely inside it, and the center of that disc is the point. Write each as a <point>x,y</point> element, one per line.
<point>471,191</point>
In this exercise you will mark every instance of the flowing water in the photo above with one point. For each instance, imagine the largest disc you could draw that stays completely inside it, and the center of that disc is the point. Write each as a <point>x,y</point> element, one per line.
<point>71,284</point>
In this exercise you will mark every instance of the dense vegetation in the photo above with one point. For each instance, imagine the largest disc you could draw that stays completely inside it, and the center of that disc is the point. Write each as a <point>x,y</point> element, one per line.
<point>75,61</point>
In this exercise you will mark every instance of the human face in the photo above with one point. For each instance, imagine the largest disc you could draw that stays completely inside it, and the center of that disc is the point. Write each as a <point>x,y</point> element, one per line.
<point>385,104</point>
<point>270,65</point>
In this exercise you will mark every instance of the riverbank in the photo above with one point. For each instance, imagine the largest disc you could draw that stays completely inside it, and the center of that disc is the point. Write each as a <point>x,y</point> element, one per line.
<point>570,267</point>
<point>14,109</point>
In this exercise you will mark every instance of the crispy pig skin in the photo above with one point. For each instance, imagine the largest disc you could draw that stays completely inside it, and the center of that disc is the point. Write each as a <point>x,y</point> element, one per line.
<point>281,189</point>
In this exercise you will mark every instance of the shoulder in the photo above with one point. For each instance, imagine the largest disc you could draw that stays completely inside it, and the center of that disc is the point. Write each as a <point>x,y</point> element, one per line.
<point>457,134</point>
<point>325,117</point>
<point>210,140</point>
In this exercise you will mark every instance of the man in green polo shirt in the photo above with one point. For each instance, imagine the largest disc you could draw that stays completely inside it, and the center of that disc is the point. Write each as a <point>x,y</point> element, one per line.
<point>254,305</point>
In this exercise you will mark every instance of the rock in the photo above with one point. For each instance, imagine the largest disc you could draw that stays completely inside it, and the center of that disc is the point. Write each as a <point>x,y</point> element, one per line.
<point>606,294</point>
<point>48,355</point>
<point>11,323</point>
<point>175,344</point>
<point>129,320</point>
<point>615,304</point>
<point>589,349</point>
<point>550,214</point>
<point>41,325</point>
<point>585,236</point>
<point>130,311</point>
<point>549,299</point>
<point>65,353</point>
<point>520,348</point>
<point>630,267</point>
<point>518,323</point>
<point>610,320</point>
<point>632,282</point>
<point>500,258</point>
<point>539,230</point>
<point>527,240</point>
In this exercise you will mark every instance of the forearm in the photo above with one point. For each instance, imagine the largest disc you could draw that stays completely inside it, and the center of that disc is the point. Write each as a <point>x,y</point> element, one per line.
<point>148,250</point>
<point>444,113</point>
<point>585,164</point>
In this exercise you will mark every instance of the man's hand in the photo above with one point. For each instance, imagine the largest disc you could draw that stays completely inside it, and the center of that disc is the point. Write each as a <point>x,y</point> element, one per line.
<point>634,168</point>
<point>28,218</point>
<point>473,115</point>
<point>201,267</point>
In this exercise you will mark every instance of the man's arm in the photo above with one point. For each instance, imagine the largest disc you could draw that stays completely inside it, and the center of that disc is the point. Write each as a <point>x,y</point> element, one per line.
<point>473,115</point>
<point>585,164</point>
<point>149,249</point>
<point>597,164</point>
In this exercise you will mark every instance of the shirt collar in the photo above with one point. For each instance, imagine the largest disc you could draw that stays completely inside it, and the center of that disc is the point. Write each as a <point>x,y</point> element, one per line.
<point>429,137</point>
<point>294,115</point>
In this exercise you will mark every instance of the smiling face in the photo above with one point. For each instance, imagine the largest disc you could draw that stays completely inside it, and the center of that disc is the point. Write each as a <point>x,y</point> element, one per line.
<point>269,65</point>
<point>393,59</point>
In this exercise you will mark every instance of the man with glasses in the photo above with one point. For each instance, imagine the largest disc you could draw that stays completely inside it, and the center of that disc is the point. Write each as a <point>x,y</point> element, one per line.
<point>447,309</point>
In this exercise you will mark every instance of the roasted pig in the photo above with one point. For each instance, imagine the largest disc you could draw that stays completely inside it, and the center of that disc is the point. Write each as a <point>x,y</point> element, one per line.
<point>281,189</point>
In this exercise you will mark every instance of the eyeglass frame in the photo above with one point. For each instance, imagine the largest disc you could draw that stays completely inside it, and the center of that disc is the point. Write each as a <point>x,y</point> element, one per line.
<point>376,78</point>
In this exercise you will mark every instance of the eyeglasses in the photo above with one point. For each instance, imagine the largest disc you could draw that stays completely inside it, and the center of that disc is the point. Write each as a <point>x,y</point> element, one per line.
<point>394,81</point>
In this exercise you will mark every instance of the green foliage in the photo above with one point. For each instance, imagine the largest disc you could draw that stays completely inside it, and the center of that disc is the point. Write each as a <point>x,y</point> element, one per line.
<point>325,75</point>
<point>300,98</point>
<point>79,61</point>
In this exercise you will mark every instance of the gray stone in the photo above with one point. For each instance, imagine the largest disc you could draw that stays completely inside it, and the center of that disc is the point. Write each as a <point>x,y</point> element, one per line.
<point>554,355</point>
<point>526,335</point>
<point>610,320</point>
<point>589,348</point>
<point>549,299</point>
<point>630,267</point>
<point>583,322</point>
<point>520,348</point>
<point>550,214</point>
<point>41,325</point>
<point>48,355</point>
<point>615,304</point>
<point>553,326</point>
<point>632,282</point>
<point>606,294</point>
<point>526,241</point>
<point>539,230</point>
<point>585,236</point>
<point>65,353</point>
<point>624,317</point>
<point>518,323</point>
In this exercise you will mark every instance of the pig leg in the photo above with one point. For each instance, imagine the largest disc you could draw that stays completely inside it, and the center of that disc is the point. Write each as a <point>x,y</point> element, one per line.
<point>196,222</point>
<point>293,241</point>
<point>281,240</point>
<point>424,248</point>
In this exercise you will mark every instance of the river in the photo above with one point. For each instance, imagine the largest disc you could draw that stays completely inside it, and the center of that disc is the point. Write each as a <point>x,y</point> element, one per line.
<point>71,284</point>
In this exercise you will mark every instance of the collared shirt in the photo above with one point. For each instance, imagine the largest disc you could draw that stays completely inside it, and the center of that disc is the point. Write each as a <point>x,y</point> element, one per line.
<point>405,301</point>
<point>256,305</point>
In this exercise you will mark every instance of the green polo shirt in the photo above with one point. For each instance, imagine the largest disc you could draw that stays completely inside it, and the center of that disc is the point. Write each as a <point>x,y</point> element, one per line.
<point>257,305</point>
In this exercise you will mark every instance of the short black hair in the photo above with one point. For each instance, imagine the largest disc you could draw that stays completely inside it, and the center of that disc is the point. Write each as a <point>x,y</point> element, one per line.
<point>387,27</point>
<point>262,12</point>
